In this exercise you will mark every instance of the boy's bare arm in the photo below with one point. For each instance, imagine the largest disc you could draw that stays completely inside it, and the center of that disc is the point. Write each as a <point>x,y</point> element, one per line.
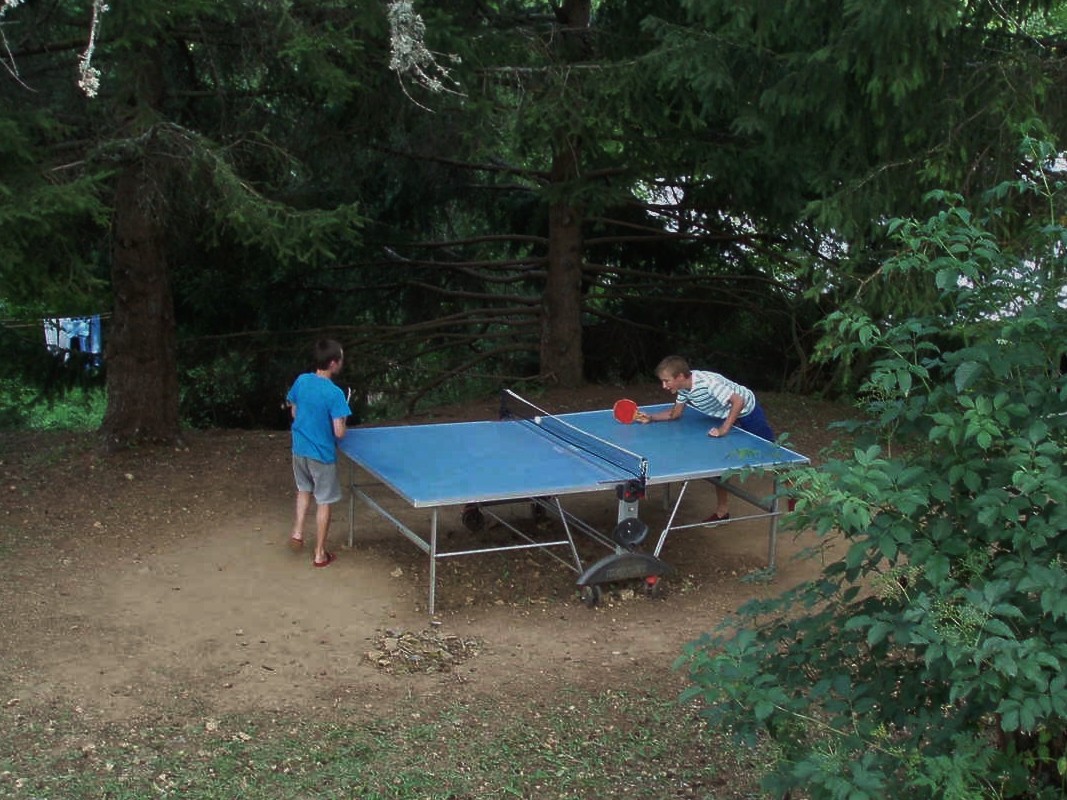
<point>666,415</point>
<point>736,404</point>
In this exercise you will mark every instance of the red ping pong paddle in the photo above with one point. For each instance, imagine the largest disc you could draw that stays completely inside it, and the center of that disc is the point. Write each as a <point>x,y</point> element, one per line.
<point>624,411</point>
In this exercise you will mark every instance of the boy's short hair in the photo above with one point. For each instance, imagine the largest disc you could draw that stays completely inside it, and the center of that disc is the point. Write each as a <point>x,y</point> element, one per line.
<point>326,352</point>
<point>673,366</point>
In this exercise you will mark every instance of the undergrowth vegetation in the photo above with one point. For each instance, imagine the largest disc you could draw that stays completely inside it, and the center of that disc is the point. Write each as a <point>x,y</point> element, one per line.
<point>24,407</point>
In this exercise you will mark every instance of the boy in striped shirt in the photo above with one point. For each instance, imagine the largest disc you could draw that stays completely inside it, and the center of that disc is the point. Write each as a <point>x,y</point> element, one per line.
<point>716,396</point>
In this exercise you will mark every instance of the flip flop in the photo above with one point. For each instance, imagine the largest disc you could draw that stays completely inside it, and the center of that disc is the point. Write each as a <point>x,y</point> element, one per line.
<point>329,560</point>
<point>296,545</point>
<point>717,517</point>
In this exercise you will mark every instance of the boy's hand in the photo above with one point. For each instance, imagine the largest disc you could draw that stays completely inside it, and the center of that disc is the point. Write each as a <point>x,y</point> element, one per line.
<point>642,417</point>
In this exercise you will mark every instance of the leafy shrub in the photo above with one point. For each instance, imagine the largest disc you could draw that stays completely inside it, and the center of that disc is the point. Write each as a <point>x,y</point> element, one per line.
<point>217,392</point>
<point>24,407</point>
<point>929,660</point>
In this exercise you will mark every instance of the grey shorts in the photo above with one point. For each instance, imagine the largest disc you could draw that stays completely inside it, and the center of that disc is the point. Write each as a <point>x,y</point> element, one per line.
<point>314,476</point>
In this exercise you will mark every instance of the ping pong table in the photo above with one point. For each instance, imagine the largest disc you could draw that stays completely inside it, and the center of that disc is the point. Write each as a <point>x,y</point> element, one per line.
<point>532,456</point>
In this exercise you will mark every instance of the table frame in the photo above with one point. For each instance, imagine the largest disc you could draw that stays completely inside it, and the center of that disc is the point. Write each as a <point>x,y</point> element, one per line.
<point>628,506</point>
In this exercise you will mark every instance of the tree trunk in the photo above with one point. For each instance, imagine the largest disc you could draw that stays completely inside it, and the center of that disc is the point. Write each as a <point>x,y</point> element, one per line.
<point>561,321</point>
<point>141,351</point>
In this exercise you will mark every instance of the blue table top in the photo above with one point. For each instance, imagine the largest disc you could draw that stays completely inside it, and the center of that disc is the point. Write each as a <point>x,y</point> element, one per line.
<point>467,462</point>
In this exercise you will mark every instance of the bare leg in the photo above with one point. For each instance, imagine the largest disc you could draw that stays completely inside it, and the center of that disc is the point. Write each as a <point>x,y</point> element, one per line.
<point>303,502</point>
<point>322,530</point>
<point>723,508</point>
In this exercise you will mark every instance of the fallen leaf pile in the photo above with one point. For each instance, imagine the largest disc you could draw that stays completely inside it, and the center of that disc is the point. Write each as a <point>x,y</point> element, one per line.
<point>421,651</point>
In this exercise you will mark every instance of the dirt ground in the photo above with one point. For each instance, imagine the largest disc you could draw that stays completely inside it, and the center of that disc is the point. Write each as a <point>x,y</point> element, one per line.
<point>159,582</point>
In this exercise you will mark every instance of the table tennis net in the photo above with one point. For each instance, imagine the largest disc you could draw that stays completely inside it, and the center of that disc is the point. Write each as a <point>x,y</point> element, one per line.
<point>515,408</point>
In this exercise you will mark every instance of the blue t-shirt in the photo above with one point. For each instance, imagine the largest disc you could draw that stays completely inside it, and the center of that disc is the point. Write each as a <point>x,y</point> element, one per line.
<point>319,401</point>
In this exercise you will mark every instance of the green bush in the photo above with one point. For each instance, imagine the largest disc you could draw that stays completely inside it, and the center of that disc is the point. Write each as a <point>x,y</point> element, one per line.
<point>928,661</point>
<point>24,407</point>
<point>216,393</point>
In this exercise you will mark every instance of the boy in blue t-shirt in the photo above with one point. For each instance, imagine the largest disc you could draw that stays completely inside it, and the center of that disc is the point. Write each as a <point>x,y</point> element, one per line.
<point>319,410</point>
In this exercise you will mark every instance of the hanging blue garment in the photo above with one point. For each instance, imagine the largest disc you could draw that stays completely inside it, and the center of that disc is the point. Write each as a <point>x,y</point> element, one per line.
<point>63,335</point>
<point>96,338</point>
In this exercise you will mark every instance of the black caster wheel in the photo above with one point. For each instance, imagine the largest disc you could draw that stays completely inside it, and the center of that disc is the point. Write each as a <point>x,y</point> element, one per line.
<point>473,519</point>
<point>591,596</point>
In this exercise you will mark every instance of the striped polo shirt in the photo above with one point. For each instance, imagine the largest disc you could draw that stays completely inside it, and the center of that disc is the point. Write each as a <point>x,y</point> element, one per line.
<point>711,394</point>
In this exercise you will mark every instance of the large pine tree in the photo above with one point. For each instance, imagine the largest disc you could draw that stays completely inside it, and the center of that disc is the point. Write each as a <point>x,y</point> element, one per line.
<point>192,136</point>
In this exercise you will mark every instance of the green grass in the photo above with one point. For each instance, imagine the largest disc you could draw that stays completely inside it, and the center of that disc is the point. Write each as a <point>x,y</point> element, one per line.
<point>608,744</point>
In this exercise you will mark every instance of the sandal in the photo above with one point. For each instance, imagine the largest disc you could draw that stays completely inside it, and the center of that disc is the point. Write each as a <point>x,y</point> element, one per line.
<point>329,560</point>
